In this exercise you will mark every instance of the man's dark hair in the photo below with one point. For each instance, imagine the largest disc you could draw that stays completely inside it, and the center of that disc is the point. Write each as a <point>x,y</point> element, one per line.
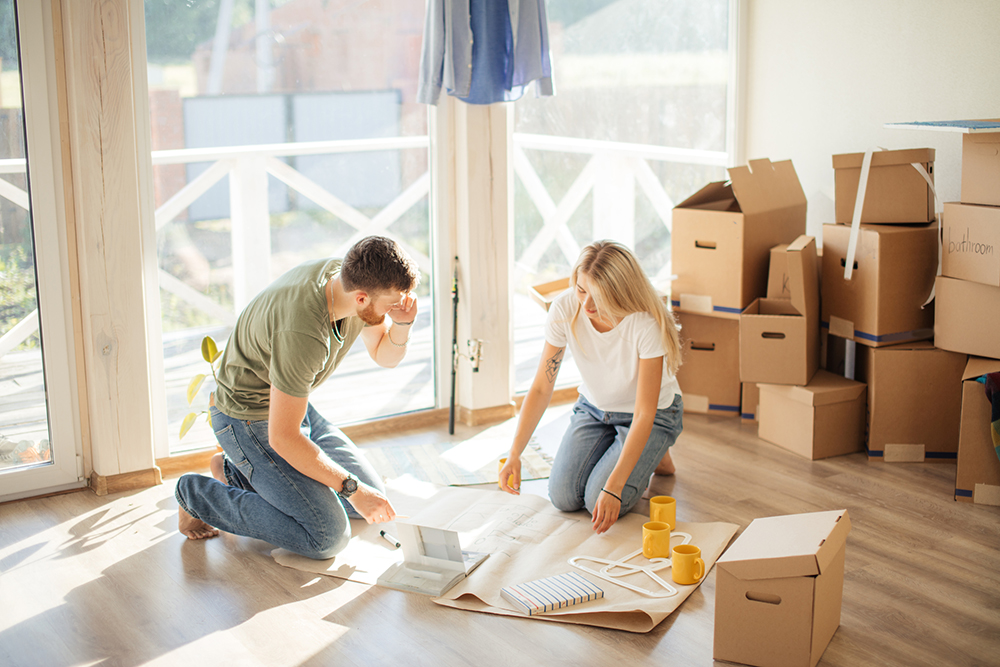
<point>377,264</point>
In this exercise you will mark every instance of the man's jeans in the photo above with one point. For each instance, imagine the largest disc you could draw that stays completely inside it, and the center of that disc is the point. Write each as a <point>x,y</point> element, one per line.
<point>267,498</point>
<point>591,447</point>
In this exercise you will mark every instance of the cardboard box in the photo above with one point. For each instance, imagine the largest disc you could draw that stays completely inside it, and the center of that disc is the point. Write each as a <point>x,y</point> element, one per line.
<point>545,293</point>
<point>822,419</point>
<point>710,373</point>
<point>779,338</point>
<point>971,245</point>
<point>896,192</point>
<point>778,590</point>
<point>893,274</point>
<point>722,236</point>
<point>967,317</point>
<point>750,397</point>
<point>981,168</point>
<point>914,401</point>
<point>978,477</point>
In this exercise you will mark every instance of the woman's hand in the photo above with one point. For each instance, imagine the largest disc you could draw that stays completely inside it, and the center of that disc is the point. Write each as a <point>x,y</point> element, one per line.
<point>510,476</point>
<point>605,512</point>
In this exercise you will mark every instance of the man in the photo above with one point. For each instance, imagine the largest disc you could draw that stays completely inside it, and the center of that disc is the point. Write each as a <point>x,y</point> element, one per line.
<point>287,475</point>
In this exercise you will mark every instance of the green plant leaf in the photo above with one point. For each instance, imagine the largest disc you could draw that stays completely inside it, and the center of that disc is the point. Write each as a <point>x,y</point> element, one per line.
<point>187,423</point>
<point>195,385</point>
<point>209,350</point>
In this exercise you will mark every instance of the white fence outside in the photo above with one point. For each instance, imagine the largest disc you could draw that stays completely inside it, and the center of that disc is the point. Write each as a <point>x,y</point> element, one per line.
<point>612,173</point>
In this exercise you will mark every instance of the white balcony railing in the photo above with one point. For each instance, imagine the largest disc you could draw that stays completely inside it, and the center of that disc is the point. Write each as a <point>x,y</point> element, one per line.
<point>612,173</point>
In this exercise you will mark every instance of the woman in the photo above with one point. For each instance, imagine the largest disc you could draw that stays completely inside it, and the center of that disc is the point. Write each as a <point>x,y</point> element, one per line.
<point>626,345</point>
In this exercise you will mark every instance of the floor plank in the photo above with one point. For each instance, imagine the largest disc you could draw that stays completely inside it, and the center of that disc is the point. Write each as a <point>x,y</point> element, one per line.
<point>87,580</point>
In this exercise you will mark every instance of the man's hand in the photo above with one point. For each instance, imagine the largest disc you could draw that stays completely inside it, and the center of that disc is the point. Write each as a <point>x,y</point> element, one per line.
<point>605,512</point>
<point>372,505</point>
<point>406,311</point>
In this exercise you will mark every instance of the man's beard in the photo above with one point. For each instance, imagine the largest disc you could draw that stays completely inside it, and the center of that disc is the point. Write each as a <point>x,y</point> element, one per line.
<point>369,317</point>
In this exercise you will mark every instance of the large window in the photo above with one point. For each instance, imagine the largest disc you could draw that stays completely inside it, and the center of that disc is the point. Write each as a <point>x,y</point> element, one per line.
<point>284,130</point>
<point>638,123</point>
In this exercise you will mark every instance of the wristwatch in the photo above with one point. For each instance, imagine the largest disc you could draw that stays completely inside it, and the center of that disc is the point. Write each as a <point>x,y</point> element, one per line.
<point>349,486</point>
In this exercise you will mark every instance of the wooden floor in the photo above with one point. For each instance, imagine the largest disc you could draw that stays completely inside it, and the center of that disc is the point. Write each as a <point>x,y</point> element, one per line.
<point>87,580</point>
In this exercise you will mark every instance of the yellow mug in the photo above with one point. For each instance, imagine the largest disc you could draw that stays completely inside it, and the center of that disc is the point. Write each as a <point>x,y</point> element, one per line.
<point>686,565</point>
<point>663,508</point>
<point>655,539</point>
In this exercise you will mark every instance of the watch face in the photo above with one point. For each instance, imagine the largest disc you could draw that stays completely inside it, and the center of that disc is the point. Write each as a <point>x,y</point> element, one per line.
<point>349,486</point>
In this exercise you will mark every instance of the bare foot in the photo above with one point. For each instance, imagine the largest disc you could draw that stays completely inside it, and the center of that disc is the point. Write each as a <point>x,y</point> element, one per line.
<point>666,466</point>
<point>216,466</point>
<point>194,529</point>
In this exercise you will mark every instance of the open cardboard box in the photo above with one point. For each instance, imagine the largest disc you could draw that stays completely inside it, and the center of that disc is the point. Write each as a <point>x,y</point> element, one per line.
<point>545,293</point>
<point>709,376</point>
<point>896,192</point>
<point>914,401</point>
<point>981,166</point>
<point>722,236</point>
<point>971,245</point>
<point>967,317</point>
<point>978,477</point>
<point>779,338</point>
<point>778,590</point>
<point>822,419</point>
<point>893,274</point>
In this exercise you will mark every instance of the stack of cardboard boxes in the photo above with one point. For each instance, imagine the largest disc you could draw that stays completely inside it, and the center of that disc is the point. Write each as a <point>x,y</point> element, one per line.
<point>967,304</point>
<point>721,243</point>
<point>883,305</point>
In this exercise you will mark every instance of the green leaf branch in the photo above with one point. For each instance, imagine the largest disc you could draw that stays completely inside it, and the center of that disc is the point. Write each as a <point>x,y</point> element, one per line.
<point>209,352</point>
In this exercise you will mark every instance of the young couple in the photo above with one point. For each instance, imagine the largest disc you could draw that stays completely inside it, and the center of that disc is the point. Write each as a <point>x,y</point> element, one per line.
<point>289,477</point>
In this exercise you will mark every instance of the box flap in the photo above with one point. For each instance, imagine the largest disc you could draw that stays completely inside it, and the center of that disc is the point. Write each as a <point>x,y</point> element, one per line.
<point>884,158</point>
<point>766,186</point>
<point>803,276</point>
<point>838,536</point>
<point>980,366</point>
<point>794,545</point>
<point>824,388</point>
<point>716,196</point>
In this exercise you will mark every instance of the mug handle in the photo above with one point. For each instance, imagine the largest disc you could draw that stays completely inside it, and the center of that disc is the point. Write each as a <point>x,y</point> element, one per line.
<point>701,569</point>
<point>645,544</point>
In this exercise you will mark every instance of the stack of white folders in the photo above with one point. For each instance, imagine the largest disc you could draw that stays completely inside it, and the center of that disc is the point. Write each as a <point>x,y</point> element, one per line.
<point>558,592</point>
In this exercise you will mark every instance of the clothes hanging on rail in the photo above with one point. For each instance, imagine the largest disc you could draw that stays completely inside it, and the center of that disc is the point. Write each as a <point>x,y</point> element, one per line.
<point>484,51</point>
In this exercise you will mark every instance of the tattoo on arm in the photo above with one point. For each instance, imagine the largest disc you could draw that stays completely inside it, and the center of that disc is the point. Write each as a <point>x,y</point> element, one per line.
<point>552,366</point>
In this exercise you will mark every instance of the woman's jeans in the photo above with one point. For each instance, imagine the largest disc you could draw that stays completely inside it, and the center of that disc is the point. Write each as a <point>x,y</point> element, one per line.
<point>267,498</point>
<point>590,450</point>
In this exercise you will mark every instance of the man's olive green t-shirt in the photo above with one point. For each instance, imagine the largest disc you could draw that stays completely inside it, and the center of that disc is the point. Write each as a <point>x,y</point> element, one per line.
<point>283,338</point>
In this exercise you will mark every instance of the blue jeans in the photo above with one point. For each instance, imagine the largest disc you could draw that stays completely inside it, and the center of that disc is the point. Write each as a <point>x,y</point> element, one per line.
<point>267,498</point>
<point>590,450</point>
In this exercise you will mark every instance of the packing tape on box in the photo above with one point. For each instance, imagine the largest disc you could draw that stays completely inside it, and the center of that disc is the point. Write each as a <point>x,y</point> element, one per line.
<point>896,453</point>
<point>852,245</point>
<point>696,303</point>
<point>986,494</point>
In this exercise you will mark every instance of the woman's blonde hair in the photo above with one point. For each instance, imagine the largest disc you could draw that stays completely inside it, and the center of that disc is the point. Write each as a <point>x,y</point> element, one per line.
<point>620,287</point>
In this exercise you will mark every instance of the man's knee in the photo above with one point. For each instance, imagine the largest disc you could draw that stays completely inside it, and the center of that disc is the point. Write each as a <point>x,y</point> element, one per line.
<point>327,546</point>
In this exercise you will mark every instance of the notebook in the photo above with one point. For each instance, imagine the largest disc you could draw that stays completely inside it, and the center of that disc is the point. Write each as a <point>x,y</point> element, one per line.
<point>558,592</point>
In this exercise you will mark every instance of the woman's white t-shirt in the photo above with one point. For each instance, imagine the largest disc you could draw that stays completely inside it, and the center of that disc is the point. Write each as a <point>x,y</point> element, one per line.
<point>609,361</point>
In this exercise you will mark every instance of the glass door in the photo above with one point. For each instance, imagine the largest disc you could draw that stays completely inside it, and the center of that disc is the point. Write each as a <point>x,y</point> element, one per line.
<point>283,132</point>
<point>38,419</point>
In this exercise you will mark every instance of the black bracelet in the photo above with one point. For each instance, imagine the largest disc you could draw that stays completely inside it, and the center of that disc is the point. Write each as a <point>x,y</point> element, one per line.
<point>402,324</point>
<point>618,498</point>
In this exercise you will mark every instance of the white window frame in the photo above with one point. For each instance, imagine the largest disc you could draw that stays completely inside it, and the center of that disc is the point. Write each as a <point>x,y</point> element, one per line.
<point>48,214</point>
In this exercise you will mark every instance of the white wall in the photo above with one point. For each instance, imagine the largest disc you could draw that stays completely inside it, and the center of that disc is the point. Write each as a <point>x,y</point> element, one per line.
<point>823,77</point>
